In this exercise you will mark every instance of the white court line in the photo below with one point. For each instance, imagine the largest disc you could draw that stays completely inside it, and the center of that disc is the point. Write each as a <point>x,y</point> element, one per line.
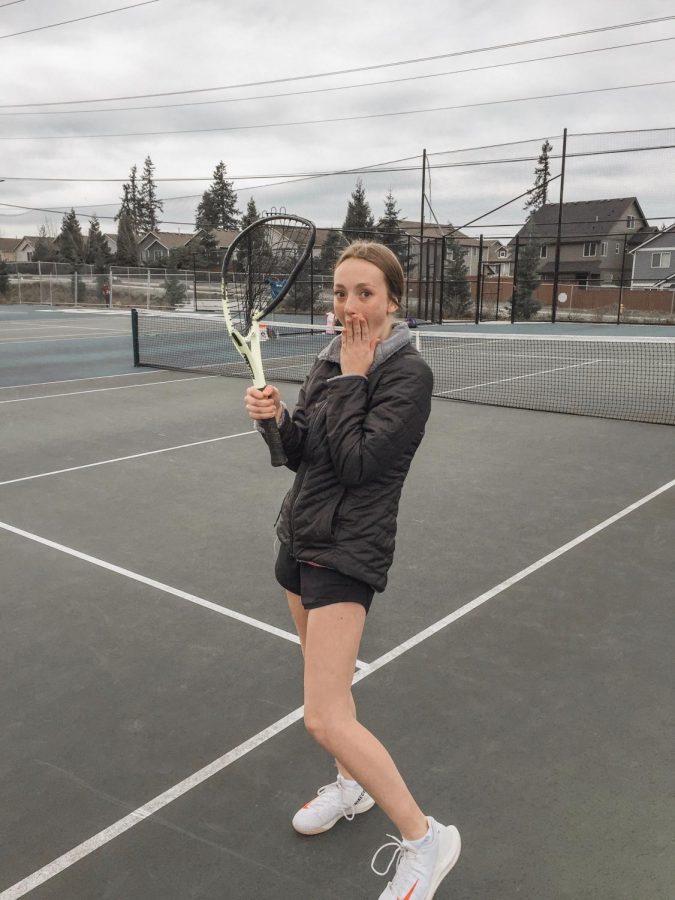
<point>66,337</point>
<point>166,588</point>
<point>122,387</point>
<point>105,462</point>
<point>11,387</point>
<point>472,387</point>
<point>68,859</point>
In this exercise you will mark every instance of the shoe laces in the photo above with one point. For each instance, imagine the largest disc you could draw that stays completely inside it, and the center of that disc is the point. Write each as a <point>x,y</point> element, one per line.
<point>403,857</point>
<point>328,793</point>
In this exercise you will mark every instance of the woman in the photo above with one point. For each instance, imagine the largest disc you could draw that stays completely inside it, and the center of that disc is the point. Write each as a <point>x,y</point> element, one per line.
<point>359,419</point>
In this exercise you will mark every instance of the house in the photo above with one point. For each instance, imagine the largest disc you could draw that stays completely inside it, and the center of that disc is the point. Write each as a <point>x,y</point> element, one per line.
<point>8,249</point>
<point>111,241</point>
<point>654,261</point>
<point>493,250</point>
<point>155,246</point>
<point>24,249</point>
<point>592,238</point>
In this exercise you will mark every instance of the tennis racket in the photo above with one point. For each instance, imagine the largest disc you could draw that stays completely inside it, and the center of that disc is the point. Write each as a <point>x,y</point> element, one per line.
<point>263,262</point>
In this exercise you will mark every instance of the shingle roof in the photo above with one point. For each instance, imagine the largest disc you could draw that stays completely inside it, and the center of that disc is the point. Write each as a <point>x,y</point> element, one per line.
<point>583,218</point>
<point>8,244</point>
<point>169,239</point>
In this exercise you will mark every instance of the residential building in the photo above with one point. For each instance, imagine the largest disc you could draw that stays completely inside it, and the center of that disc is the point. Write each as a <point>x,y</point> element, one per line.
<point>154,246</point>
<point>593,236</point>
<point>8,249</point>
<point>654,261</point>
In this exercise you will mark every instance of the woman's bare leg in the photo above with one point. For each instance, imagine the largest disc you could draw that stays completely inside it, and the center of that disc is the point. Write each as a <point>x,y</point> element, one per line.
<point>299,614</point>
<point>332,638</point>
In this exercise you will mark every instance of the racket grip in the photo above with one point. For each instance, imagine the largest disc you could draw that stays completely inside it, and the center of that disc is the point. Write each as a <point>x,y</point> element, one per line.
<point>277,454</point>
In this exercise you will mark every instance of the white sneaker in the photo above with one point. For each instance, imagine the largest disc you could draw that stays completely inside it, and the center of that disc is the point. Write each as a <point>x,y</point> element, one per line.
<point>332,803</point>
<point>419,870</point>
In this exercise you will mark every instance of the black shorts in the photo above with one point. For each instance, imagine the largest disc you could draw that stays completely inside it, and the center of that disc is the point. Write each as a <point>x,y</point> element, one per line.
<point>318,586</point>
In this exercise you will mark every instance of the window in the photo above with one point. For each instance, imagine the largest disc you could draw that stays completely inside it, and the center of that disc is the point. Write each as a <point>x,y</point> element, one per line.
<point>603,248</point>
<point>591,248</point>
<point>661,260</point>
<point>630,221</point>
<point>502,253</point>
<point>543,251</point>
<point>617,248</point>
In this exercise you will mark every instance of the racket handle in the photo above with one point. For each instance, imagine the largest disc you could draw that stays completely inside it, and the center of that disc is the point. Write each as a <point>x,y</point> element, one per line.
<point>277,455</point>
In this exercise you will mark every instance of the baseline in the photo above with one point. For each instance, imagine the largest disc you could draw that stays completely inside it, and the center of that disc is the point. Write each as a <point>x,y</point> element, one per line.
<point>123,387</point>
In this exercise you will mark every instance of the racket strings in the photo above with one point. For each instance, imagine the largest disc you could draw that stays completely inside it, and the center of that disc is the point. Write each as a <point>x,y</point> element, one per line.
<point>260,268</point>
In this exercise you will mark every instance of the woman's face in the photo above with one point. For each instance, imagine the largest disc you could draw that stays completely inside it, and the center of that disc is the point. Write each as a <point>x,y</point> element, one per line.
<point>360,289</point>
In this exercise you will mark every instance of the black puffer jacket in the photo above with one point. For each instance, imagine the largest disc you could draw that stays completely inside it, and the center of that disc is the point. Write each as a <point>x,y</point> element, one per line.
<point>351,440</point>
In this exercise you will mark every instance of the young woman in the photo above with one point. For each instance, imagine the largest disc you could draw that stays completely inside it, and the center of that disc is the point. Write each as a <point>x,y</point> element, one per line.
<point>359,419</point>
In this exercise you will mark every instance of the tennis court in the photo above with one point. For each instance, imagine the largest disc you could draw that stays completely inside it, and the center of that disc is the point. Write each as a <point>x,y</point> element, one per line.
<point>518,667</point>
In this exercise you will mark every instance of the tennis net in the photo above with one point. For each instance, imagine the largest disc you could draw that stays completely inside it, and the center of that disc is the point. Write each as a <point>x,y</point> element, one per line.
<point>612,377</point>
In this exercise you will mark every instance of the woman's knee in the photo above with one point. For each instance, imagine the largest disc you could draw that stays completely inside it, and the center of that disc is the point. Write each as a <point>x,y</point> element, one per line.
<point>325,726</point>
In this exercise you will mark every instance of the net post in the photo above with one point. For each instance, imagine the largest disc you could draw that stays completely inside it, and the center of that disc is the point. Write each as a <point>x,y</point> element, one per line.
<point>134,336</point>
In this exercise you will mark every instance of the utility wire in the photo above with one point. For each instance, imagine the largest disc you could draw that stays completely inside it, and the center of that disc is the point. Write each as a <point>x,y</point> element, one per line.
<point>345,87</point>
<point>13,3</point>
<point>70,22</point>
<point>408,112</point>
<point>403,62</point>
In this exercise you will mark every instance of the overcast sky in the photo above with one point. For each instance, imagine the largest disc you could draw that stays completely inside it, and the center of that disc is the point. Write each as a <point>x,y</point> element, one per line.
<point>174,45</point>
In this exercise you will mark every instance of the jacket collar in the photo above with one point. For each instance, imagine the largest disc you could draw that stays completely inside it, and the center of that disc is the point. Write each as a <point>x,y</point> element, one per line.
<point>399,337</point>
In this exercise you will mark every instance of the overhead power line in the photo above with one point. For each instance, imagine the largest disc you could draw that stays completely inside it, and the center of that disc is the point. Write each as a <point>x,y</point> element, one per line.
<point>80,19</point>
<point>407,112</point>
<point>325,90</point>
<point>13,3</point>
<point>402,62</point>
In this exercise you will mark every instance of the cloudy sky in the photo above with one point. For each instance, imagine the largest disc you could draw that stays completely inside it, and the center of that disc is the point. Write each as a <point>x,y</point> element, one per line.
<point>183,50</point>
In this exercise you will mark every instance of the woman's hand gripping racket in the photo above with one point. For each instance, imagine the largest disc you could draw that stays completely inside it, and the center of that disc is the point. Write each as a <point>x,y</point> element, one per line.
<point>264,261</point>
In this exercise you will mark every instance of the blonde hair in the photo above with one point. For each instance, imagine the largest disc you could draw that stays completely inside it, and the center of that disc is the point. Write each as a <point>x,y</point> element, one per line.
<point>382,257</point>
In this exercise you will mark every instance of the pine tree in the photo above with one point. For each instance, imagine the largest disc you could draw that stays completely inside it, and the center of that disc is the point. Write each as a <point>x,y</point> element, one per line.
<point>206,215</point>
<point>127,247</point>
<point>542,175</point>
<point>175,291</point>
<point>218,206</point>
<point>43,250</point>
<point>456,290</point>
<point>4,278</point>
<point>206,251</point>
<point>330,252</point>
<point>251,215</point>
<point>70,240</point>
<point>390,231</point>
<point>359,221</point>
<point>97,253</point>
<point>528,277</point>
<point>149,205</point>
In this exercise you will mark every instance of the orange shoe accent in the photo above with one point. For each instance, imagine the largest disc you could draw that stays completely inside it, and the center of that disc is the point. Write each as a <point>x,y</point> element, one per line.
<point>307,806</point>
<point>408,896</point>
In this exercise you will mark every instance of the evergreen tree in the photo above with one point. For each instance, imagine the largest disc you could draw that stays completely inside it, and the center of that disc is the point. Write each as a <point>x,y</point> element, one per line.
<point>359,221</point>
<point>330,252</point>
<point>456,290</point>
<point>542,175</point>
<point>390,231</point>
<point>4,278</point>
<point>206,250</point>
<point>251,215</point>
<point>43,250</point>
<point>149,205</point>
<point>70,240</point>
<point>131,200</point>
<point>127,247</point>
<point>97,253</point>
<point>174,289</point>
<point>218,206</point>
<point>527,277</point>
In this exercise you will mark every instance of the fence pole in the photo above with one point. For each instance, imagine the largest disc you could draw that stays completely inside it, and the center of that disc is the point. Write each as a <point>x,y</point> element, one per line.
<point>421,260</point>
<point>407,275</point>
<point>515,279</point>
<point>18,281</point>
<point>194,284</point>
<point>499,281</point>
<point>479,281</point>
<point>556,270</point>
<point>623,269</point>
<point>440,299</point>
<point>311,288</point>
<point>147,293</point>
